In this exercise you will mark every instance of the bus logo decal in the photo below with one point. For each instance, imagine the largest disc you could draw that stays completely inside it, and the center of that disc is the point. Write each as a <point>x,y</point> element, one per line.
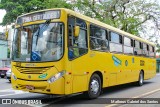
<point>42,76</point>
<point>117,61</point>
<point>35,56</point>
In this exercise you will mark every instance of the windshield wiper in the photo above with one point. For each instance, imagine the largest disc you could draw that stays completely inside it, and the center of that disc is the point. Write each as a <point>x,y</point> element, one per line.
<point>40,28</point>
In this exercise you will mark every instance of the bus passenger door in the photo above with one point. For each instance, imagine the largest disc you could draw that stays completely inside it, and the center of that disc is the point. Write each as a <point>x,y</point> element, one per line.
<point>77,49</point>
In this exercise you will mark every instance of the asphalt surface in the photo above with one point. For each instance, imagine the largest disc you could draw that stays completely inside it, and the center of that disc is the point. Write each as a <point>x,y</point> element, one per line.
<point>150,89</point>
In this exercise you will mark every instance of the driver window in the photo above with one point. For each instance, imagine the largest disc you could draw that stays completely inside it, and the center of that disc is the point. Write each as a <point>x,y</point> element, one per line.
<point>77,45</point>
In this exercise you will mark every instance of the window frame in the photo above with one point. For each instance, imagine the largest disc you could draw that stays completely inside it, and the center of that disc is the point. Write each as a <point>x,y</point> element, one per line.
<point>139,48</point>
<point>106,38</point>
<point>131,45</point>
<point>152,50</point>
<point>122,40</point>
<point>68,45</point>
<point>145,49</point>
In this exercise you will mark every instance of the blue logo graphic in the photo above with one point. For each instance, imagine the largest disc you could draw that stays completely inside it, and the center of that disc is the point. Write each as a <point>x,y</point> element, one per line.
<point>70,54</point>
<point>117,61</point>
<point>36,56</point>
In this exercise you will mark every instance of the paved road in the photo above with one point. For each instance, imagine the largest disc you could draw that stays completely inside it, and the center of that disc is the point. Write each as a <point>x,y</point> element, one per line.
<point>150,89</point>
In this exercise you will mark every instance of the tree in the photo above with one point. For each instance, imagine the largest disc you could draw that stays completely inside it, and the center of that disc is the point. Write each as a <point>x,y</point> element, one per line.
<point>15,8</point>
<point>58,4</point>
<point>132,16</point>
<point>127,15</point>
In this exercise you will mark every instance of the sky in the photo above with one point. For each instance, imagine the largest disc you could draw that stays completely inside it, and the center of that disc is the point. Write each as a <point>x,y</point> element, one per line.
<point>2,13</point>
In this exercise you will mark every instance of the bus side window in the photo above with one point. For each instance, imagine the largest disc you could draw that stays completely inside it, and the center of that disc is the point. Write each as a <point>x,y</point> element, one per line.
<point>77,45</point>
<point>116,42</point>
<point>71,24</point>
<point>151,52</point>
<point>98,38</point>
<point>128,45</point>
<point>145,49</point>
<point>137,48</point>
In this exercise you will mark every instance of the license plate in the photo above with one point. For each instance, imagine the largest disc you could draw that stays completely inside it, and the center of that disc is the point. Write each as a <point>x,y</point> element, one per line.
<point>29,87</point>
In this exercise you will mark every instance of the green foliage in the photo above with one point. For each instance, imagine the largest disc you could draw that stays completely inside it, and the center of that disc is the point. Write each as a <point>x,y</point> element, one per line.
<point>158,48</point>
<point>58,4</point>
<point>14,8</point>
<point>132,16</point>
<point>126,15</point>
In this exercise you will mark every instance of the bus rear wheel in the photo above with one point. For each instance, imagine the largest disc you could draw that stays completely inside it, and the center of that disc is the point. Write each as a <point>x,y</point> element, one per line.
<point>94,88</point>
<point>141,79</point>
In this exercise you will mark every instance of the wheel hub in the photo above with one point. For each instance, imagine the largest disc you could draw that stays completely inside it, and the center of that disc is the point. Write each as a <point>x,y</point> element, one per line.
<point>141,78</point>
<point>94,86</point>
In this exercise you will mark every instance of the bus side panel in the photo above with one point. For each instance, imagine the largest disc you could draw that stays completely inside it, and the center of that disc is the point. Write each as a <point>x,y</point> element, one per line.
<point>102,62</point>
<point>121,68</point>
<point>79,83</point>
<point>84,66</point>
<point>80,75</point>
<point>151,65</point>
<point>134,68</point>
<point>57,87</point>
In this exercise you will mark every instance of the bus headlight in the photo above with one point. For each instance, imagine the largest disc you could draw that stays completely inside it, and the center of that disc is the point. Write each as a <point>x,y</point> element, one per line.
<point>13,76</point>
<point>56,76</point>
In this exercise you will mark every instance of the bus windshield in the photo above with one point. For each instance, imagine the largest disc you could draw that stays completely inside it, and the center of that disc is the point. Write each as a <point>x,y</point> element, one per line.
<point>39,42</point>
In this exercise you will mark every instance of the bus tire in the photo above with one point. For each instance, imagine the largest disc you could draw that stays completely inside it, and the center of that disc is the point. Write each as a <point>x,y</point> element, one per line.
<point>141,79</point>
<point>94,88</point>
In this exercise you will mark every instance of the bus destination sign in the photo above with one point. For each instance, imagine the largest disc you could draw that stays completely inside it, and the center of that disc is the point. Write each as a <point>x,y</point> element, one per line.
<point>45,15</point>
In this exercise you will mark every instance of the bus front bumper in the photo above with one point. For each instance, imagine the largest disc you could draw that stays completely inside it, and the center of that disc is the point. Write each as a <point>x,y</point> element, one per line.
<point>56,87</point>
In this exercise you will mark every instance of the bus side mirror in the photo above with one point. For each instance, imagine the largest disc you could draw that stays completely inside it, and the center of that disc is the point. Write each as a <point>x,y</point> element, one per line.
<point>76,31</point>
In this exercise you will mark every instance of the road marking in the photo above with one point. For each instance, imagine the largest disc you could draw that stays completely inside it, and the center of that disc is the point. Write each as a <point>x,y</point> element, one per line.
<point>151,92</point>
<point>15,92</point>
<point>142,95</point>
<point>5,90</point>
<point>158,74</point>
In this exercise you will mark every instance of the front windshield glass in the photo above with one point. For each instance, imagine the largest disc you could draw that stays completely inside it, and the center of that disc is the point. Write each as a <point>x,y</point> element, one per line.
<point>40,42</point>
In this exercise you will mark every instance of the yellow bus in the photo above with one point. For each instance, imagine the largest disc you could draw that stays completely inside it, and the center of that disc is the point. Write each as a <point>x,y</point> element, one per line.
<point>58,51</point>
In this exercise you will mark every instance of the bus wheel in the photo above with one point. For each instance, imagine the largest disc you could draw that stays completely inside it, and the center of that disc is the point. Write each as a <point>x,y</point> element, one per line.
<point>141,79</point>
<point>95,87</point>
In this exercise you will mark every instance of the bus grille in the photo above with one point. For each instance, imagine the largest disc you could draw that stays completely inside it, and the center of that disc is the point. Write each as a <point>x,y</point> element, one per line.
<point>27,70</point>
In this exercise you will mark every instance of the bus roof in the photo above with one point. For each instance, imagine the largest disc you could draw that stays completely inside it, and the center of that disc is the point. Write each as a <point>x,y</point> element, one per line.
<point>88,19</point>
